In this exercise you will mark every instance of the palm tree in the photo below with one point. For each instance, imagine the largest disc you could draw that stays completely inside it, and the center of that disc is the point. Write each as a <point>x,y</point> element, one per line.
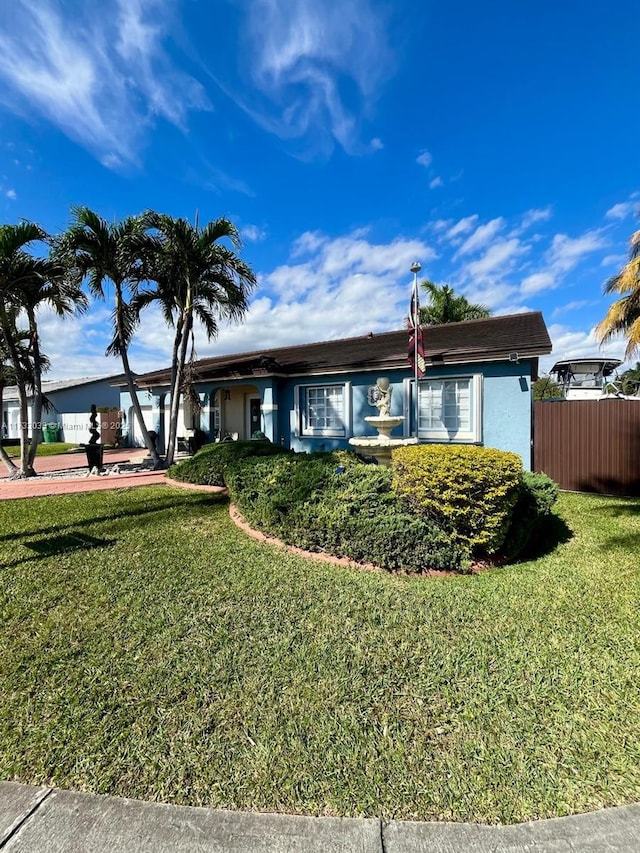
<point>8,377</point>
<point>101,251</point>
<point>196,278</point>
<point>19,269</point>
<point>624,314</point>
<point>63,296</point>
<point>445,307</point>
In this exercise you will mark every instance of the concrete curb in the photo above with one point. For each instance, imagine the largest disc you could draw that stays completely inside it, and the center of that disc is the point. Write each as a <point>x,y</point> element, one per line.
<point>44,820</point>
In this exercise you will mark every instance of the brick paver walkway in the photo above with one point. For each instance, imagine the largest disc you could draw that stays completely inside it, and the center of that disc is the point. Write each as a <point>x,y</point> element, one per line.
<point>36,487</point>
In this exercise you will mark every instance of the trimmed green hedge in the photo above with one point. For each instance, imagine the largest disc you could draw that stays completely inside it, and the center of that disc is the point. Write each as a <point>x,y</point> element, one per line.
<point>468,491</point>
<point>333,502</point>
<point>439,505</point>
<point>208,466</point>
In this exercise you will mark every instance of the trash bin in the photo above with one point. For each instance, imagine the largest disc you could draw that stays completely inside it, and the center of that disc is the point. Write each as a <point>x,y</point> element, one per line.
<point>50,432</point>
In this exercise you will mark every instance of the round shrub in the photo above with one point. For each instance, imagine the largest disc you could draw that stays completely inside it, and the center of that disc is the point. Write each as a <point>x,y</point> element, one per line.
<point>470,492</point>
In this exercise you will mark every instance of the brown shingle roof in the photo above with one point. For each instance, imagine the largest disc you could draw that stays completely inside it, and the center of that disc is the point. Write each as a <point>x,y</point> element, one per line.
<point>491,339</point>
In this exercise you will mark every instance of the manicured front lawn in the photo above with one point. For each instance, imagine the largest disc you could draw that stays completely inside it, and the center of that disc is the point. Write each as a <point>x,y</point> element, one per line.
<point>150,649</point>
<point>51,449</point>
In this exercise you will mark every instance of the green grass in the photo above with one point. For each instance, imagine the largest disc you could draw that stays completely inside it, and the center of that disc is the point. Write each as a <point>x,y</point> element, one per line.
<point>52,449</point>
<point>150,649</point>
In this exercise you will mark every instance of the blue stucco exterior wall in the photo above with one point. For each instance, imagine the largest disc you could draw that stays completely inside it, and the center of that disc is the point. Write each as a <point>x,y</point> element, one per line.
<point>506,405</point>
<point>81,397</point>
<point>505,412</point>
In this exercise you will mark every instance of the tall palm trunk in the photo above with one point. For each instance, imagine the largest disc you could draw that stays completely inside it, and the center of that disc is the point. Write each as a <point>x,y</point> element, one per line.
<point>36,427</point>
<point>133,392</point>
<point>12,470</point>
<point>174,365</point>
<point>25,467</point>
<point>176,388</point>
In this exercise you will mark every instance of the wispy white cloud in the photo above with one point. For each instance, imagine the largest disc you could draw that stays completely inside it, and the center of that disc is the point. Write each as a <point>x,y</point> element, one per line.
<point>298,54</point>
<point>212,178</point>
<point>376,144</point>
<point>436,182</point>
<point>499,258</point>
<point>530,217</point>
<point>308,243</point>
<point>353,254</point>
<point>481,237</point>
<point>613,260</point>
<point>424,159</point>
<point>498,297</point>
<point>12,194</point>
<point>462,226</point>
<point>563,255</point>
<point>567,252</point>
<point>621,210</point>
<point>537,282</point>
<point>254,233</point>
<point>102,79</point>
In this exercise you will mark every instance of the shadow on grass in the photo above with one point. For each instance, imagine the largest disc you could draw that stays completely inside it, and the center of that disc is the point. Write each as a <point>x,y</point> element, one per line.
<point>629,542</point>
<point>552,531</point>
<point>57,545</point>
<point>67,542</point>
<point>157,507</point>
<point>623,506</point>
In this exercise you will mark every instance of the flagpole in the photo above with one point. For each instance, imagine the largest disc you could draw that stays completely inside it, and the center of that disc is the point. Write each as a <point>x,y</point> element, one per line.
<point>415,269</point>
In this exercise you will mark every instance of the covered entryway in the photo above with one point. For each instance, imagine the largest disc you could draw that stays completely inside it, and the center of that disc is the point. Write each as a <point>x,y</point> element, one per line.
<point>240,412</point>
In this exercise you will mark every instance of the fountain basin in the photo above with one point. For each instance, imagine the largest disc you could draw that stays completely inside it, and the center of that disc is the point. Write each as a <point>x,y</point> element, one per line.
<point>384,424</point>
<point>382,444</point>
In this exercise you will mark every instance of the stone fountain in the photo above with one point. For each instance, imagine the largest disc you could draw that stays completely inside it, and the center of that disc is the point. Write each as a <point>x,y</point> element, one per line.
<point>382,444</point>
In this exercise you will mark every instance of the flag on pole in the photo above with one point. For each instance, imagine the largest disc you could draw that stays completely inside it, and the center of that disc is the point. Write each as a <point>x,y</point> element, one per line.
<point>415,349</point>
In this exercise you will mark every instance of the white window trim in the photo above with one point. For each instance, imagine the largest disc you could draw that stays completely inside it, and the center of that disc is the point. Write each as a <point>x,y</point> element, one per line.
<point>473,436</point>
<point>301,411</point>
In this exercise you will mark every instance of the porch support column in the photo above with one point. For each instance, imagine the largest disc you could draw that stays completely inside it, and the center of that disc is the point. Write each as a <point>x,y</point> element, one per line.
<point>270,413</point>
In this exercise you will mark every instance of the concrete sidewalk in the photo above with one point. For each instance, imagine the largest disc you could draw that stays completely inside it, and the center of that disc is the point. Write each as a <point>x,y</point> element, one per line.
<point>44,820</point>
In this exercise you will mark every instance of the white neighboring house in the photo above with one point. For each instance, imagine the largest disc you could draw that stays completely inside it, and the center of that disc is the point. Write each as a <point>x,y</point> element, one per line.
<point>70,403</point>
<point>590,378</point>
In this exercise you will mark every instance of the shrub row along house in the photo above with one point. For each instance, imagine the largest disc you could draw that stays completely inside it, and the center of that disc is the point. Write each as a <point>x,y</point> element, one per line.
<point>313,397</point>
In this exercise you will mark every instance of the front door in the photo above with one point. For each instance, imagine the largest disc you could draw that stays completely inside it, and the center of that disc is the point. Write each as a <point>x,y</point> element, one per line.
<point>254,419</point>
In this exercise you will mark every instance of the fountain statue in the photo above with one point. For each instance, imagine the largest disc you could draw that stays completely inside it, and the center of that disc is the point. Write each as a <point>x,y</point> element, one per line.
<point>380,446</point>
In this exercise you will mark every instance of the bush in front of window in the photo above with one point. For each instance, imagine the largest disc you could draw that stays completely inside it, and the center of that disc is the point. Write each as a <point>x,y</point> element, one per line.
<point>468,491</point>
<point>333,502</point>
<point>209,465</point>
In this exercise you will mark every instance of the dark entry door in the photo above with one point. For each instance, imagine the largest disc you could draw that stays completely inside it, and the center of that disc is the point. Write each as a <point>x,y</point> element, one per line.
<point>255,422</point>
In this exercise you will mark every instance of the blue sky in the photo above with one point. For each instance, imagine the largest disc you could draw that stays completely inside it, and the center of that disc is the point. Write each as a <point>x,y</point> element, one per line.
<point>496,143</point>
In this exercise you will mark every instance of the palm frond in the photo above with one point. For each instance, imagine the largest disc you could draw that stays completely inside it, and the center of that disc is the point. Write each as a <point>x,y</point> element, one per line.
<point>623,315</point>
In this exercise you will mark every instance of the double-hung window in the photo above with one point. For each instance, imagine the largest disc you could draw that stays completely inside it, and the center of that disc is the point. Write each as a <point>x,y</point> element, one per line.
<point>450,409</point>
<point>324,409</point>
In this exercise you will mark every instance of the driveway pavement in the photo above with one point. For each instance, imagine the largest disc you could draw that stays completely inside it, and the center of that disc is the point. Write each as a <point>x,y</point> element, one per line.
<point>42,820</point>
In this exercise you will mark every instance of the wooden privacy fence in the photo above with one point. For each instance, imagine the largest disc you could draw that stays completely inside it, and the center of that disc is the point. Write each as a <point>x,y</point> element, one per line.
<point>589,445</point>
